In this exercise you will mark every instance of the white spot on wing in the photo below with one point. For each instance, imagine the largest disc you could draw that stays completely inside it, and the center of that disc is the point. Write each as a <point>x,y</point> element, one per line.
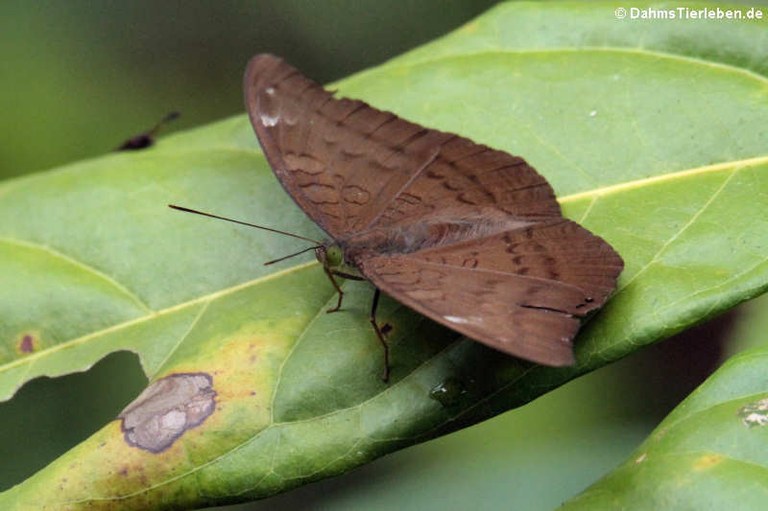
<point>465,320</point>
<point>269,120</point>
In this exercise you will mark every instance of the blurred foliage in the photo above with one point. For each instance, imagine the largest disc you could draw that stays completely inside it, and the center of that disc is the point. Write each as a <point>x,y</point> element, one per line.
<point>709,453</point>
<point>80,77</point>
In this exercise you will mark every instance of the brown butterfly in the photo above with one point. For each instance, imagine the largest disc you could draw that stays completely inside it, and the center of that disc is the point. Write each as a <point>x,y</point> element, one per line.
<point>469,236</point>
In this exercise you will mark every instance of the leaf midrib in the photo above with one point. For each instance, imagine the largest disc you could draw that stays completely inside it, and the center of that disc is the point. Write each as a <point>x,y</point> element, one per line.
<point>592,194</point>
<point>733,165</point>
<point>169,310</point>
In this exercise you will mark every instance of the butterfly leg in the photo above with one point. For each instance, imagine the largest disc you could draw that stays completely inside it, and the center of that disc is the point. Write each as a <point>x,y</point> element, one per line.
<point>380,334</point>
<point>336,287</point>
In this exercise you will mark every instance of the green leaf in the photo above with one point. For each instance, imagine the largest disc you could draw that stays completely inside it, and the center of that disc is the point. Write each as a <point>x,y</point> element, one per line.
<point>709,453</point>
<point>658,147</point>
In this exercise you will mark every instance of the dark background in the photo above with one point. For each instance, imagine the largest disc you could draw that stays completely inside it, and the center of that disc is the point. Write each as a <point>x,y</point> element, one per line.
<point>80,77</point>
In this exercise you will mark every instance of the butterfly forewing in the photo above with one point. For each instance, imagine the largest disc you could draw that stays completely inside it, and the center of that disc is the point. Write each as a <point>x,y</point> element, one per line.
<point>466,178</point>
<point>353,167</point>
<point>339,159</point>
<point>465,234</point>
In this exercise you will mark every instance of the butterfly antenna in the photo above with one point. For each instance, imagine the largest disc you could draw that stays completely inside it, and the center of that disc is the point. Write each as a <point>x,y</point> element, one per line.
<point>210,215</point>
<point>290,255</point>
<point>165,120</point>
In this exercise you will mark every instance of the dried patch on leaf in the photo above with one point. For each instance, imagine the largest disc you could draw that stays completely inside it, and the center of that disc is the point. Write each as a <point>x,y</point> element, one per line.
<point>166,409</point>
<point>755,414</point>
<point>707,461</point>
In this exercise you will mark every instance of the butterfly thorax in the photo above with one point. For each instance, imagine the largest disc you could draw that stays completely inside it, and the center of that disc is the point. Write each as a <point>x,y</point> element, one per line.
<point>412,237</point>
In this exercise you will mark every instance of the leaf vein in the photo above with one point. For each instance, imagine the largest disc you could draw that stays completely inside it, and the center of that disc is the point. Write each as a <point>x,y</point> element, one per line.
<point>57,254</point>
<point>674,237</point>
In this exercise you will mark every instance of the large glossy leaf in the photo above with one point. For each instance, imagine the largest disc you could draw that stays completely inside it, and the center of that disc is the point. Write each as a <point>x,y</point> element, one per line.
<point>658,148</point>
<point>709,453</point>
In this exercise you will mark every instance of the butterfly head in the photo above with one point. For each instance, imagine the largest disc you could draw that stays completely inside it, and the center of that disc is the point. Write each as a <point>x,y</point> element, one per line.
<point>331,256</point>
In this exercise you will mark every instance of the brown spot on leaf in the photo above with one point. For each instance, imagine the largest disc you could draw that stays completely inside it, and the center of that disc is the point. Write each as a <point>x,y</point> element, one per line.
<point>27,343</point>
<point>166,409</point>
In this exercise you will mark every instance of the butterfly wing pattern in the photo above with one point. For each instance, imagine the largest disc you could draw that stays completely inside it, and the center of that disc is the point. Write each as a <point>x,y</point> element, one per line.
<point>467,235</point>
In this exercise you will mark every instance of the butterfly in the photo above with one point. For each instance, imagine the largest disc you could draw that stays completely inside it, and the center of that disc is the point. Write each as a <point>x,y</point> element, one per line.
<point>469,236</point>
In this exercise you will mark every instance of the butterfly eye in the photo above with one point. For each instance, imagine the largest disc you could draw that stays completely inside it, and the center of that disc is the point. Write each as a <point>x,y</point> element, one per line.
<point>334,256</point>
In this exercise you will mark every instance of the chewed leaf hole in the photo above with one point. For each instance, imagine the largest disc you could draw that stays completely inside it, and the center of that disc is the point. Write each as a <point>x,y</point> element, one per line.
<point>48,416</point>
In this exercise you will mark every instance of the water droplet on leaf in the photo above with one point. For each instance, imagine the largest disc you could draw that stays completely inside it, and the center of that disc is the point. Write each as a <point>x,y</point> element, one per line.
<point>755,414</point>
<point>449,392</point>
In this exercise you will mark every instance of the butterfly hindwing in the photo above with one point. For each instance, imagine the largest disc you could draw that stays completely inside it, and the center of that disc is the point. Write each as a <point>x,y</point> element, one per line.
<point>522,292</point>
